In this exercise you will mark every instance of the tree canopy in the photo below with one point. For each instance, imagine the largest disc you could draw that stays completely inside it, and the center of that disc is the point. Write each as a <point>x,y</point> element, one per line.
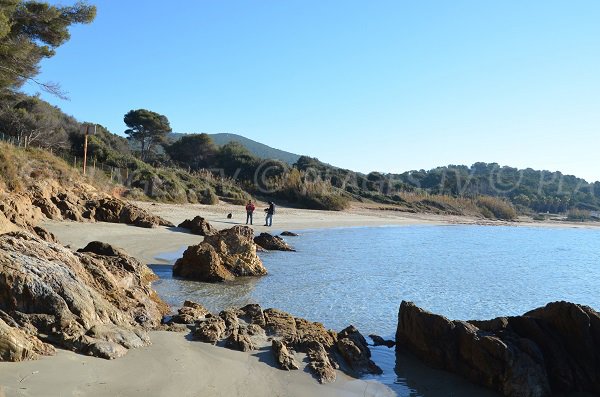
<point>194,151</point>
<point>31,31</point>
<point>147,128</point>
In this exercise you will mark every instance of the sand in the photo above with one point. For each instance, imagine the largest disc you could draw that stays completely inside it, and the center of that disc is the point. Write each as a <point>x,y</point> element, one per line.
<point>171,366</point>
<point>174,365</point>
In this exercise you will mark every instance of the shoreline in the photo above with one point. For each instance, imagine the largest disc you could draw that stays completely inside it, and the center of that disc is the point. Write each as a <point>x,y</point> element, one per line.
<point>147,244</point>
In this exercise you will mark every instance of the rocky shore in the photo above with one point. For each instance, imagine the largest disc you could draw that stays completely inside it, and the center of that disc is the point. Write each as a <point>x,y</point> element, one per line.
<point>251,328</point>
<point>550,350</point>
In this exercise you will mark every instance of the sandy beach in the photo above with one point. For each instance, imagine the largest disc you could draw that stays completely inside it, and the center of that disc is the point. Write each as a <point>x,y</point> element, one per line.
<point>171,366</point>
<point>147,244</point>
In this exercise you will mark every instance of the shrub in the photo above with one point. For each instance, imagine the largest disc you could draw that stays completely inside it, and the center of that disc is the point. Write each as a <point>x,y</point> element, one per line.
<point>578,215</point>
<point>499,208</point>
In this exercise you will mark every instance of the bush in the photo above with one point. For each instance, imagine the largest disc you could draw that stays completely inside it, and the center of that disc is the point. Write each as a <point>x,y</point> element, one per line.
<point>578,215</point>
<point>498,208</point>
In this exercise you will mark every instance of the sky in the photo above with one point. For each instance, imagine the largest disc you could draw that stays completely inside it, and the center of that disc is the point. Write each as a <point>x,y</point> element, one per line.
<point>381,85</point>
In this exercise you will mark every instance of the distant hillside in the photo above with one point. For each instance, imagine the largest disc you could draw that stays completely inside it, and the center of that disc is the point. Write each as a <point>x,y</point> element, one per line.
<point>256,148</point>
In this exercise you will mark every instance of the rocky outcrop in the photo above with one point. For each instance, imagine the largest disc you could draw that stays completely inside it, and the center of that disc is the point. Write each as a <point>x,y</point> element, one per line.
<point>199,226</point>
<point>553,349</point>
<point>228,254</point>
<point>79,202</point>
<point>96,302</point>
<point>251,328</point>
<point>272,243</point>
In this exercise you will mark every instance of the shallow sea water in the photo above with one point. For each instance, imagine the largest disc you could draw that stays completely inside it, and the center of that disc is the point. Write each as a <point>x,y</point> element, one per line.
<point>359,276</point>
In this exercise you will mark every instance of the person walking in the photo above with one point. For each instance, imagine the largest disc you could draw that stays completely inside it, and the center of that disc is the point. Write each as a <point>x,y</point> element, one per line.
<point>270,211</point>
<point>249,211</point>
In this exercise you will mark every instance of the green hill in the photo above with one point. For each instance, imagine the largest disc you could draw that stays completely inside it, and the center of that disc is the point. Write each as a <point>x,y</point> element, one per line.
<point>256,148</point>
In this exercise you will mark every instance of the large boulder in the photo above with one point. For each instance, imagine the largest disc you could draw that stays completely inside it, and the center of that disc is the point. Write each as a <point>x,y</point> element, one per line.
<point>272,243</point>
<point>554,349</point>
<point>199,226</point>
<point>220,257</point>
<point>88,302</point>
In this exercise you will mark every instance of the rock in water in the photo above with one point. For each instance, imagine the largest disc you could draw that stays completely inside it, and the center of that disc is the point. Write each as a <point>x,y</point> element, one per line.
<point>355,351</point>
<point>289,234</point>
<point>379,341</point>
<point>198,226</point>
<point>90,303</point>
<point>272,243</point>
<point>553,349</point>
<point>223,256</point>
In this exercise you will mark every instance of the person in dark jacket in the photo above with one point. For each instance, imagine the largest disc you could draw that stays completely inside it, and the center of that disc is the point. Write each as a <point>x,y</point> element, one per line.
<point>249,211</point>
<point>270,211</point>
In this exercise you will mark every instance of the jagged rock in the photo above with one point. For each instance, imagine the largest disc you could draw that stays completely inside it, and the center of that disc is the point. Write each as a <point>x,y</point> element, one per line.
<point>252,314</point>
<point>231,322</point>
<point>189,313</point>
<point>280,324</point>
<point>223,256</point>
<point>554,349</point>
<point>202,262</point>
<point>308,331</point>
<point>319,362</point>
<point>199,226</point>
<point>379,341</point>
<point>240,340</point>
<point>209,330</point>
<point>66,297</point>
<point>16,345</point>
<point>109,209</point>
<point>272,243</point>
<point>289,234</point>
<point>353,347</point>
<point>284,358</point>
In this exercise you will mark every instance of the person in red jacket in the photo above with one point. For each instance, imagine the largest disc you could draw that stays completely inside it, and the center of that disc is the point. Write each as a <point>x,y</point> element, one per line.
<point>249,211</point>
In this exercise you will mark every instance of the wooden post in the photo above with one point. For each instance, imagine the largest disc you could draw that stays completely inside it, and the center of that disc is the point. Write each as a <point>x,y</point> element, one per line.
<point>85,139</point>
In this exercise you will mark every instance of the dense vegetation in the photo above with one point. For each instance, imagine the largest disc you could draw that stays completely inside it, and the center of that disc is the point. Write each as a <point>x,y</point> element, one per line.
<point>150,163</point>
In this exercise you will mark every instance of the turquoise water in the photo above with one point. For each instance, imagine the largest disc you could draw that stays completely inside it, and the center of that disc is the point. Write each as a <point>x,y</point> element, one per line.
<point>360,275</point>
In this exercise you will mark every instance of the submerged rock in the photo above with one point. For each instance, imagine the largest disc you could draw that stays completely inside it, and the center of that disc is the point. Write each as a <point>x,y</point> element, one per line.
<point>379,341</point>
<point>86,302</point>
<point>228,254</point>
<point>272,243</point>
<point>289,234</point>
<point>199,226</point>
<point>553,349</point>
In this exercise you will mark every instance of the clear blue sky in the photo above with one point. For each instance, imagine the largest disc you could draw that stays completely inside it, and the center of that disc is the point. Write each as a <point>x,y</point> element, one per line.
<point>365,85</point>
